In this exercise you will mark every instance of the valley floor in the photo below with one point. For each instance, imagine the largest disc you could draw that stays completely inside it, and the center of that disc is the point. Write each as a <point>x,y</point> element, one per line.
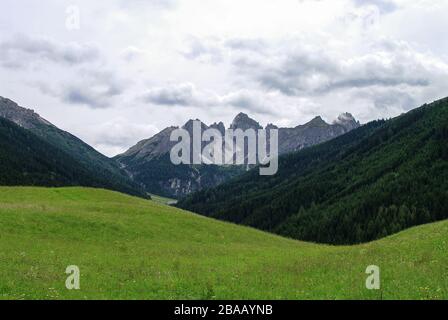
<point>129,248</point>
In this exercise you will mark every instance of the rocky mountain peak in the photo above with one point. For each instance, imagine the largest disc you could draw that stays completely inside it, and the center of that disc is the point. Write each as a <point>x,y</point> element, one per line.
<point>220,127</point>
<point>271,126</point>
<point>317,122</point>
<point>347,121</point>
<point>23,117</point>
<point>243,121</point>
<point>189,126</point>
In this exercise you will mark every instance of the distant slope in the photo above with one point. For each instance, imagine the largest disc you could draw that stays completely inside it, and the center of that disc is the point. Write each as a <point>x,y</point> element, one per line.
<point>105,169</point>
<point>26,159</point>
<point>370,183</point>
<point>129,248</point>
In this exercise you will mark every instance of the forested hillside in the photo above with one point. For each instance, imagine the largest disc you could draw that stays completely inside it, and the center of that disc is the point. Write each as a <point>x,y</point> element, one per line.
<point>27,160</point>
<point>374,181</point>
<point>98,166</point>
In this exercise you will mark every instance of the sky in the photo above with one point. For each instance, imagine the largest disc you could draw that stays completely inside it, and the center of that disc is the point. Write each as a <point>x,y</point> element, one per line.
<point>114,72</point>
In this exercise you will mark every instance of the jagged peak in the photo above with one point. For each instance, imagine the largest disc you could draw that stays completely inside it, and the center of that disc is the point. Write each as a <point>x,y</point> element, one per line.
<point>348,121</point>
<point>243,121</point>
<point>317,121</point>
<point>219,126</point>
<point>346,117</point>
<point>189,123</point>
<point>23,117</point>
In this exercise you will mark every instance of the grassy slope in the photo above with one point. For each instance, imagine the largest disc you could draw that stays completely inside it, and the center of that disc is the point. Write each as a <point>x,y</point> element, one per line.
<point>131,248</point>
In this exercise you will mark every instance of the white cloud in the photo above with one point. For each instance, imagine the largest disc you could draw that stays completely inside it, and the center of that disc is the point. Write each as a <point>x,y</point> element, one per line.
<point>155,63</point>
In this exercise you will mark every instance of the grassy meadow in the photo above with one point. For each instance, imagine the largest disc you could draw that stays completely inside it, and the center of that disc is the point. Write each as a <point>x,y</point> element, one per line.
<point>130,248</point>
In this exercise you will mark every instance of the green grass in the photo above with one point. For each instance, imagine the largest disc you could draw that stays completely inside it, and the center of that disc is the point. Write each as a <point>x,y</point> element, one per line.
<point>130,248</point>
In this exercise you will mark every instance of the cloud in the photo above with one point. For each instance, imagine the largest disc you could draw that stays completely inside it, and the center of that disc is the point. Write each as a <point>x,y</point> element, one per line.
<point>312,71</point>
<point>120,132</point>
<point>21,51</point>
<point>80,70</point>
<point>387,75</point>
<point>203,50</point>
<point>96,89</point>
<point>186,95</point>
<point>250,100</point>
<point>132,53</point>
<point>145,4</point>
<point>385,6</point>
<point>176,95</point>
<point>287,61</point>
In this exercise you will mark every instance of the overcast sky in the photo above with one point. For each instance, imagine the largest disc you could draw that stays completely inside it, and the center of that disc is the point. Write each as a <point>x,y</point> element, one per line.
<point>134,67</point>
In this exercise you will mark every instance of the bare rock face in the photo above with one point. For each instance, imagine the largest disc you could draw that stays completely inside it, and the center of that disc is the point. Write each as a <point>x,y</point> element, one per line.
<point>25,118</point>
<point>151,148</point>
<point>314,132</point>
<point>347,121</point>
<point>149,164</point>
<point>243,122</point>
<point>220,127</point>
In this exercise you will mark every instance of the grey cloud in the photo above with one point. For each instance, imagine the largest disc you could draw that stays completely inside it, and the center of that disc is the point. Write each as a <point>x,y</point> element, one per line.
<point>91,84</point>
<point>400,99</point>
<point>23,50</point>
<point>208,50</point>
<point>382,82</point>
<point>178,95</point>
<point>92,94</point>
<point>384,99</point>
<point>185,94</point>
<point>96,89</point>
<point>303,71</point>
<point>248,100</point>
<point>215,50</point>
<point>296,74</point>
<point>76,95</point>
<point>246,44</point>
<point>93,97</point>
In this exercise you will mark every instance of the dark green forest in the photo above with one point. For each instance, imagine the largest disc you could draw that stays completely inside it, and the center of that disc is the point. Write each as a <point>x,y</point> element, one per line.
<point>372,182</point>
<point>28,160</point>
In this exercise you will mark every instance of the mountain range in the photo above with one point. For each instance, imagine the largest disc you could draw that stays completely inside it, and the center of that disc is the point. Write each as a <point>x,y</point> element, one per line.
<point>148,162</point>
<point>147,167</point>
<point>338,183</point>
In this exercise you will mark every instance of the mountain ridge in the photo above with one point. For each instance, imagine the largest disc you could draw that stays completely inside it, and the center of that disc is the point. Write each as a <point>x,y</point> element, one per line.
<point>104,168</point>
<point>149,159</point>
<point>376,180</point>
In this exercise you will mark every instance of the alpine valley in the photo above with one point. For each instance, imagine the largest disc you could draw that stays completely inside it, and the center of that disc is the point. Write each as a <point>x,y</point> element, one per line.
<point>339,183</point>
